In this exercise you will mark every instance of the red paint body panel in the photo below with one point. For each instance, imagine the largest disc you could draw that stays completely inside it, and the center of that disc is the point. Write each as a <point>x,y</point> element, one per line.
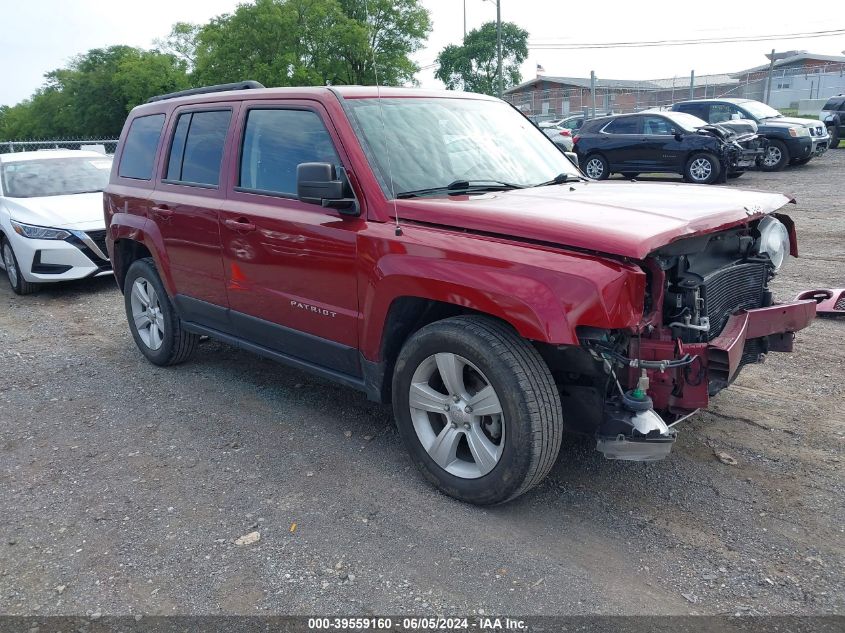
<point>545,260</point>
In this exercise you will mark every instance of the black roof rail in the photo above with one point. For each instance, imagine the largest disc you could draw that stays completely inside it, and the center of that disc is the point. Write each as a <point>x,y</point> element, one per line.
<point>240,85</point>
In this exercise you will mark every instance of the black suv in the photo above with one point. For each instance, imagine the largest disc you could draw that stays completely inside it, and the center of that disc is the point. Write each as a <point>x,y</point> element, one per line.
<point>791,140</point>
<point>666,142</point>
<point>833,116</point>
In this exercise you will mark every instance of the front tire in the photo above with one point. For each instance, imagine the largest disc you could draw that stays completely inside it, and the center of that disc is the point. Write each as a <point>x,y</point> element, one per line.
<point>702,169</point>
<point>477,408</point>
<point>19,285</point>
<point>596,167</point>
<point>153,321</point>
<point>777,156</point>
<point>834,136</point>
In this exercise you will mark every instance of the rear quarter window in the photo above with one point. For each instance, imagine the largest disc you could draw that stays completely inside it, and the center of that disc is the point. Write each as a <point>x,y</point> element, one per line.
<point>139,148</point>
<point>197,147</point>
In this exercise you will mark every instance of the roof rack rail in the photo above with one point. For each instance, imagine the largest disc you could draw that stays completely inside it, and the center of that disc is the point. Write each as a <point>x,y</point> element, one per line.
<point>240,85</point>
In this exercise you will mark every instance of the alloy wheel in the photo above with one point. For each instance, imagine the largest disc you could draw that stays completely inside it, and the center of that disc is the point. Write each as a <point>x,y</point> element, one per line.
<point>594,168</point>
<point>457,415</point>
<point>773,156</point>
<point>701,169</point>
<point>9,263</point>
<point>146,313</point>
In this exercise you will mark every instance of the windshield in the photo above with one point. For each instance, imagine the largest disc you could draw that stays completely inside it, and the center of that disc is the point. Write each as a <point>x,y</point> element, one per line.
<point>415,144</point>
<point>760,110</point>
<point>55,176</point>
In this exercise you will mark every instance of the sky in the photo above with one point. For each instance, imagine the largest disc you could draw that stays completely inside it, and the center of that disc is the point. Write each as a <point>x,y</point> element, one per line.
<point>41,35</point>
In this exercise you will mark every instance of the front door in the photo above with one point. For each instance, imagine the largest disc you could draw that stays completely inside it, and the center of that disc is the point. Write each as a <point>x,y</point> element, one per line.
<point>291,267</point>
<point>661,150</point>
<point>185,207</point>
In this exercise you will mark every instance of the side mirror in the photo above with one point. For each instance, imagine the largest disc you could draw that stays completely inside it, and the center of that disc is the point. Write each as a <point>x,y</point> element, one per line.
<point>573,157</point>
<point>318,183</point>
<point>676,133</point>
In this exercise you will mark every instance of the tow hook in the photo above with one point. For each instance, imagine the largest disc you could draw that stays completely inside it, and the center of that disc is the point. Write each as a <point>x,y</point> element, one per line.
<point>632,429</point>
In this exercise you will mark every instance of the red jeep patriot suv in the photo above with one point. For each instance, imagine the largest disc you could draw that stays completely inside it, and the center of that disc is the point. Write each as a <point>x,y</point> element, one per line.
<point>436,250</point>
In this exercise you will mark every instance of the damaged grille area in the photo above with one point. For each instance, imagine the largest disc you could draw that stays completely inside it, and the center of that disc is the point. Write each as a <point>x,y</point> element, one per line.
<point>728,290</point>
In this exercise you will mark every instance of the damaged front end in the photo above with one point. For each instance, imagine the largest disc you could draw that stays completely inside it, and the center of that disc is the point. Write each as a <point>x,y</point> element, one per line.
<point>740,147</point>
<point>708,313</point>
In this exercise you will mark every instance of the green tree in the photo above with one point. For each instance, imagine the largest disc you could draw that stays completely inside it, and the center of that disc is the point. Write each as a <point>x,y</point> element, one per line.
<point>92,95</point>
<point>181,43</point>
<point>312,42</point>
<point>473,65</point>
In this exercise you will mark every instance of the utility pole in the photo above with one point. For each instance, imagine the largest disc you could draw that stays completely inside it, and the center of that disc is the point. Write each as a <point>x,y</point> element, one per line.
<point>769,82</point>
<point>499,46</point>
<point>465,20</point>
<point>593,91</point>
<point>692,84</point>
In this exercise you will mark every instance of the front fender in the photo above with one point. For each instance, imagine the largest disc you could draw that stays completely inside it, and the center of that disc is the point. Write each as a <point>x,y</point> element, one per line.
<point>543,293</point>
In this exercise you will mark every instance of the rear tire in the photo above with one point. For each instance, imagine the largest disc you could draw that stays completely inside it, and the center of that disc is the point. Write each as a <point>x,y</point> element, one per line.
<point>505,445</point>
<point>776,157</point>
<point>153,321</point>
<point>596,167</point>
<point>702,169</point>
<point>19,285</point>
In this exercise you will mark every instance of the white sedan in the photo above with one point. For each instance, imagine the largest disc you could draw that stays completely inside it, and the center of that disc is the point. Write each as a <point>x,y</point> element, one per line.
<point>51,217</point>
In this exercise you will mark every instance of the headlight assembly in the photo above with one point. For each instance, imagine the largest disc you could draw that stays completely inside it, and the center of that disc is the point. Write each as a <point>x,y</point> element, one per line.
<point>799,132</point>
<point>39,232</point>
<point>773,241</point>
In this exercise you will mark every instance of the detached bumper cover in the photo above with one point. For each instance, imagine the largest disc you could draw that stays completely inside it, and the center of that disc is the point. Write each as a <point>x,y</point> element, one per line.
<point>778,323</point>
<point>745,338</point>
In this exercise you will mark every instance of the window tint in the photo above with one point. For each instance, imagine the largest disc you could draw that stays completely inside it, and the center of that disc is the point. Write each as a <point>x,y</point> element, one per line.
<point>197,147</point>
<point>275,142</point>
<point>139,148</point>
<point>623,125</point>
<point>657,126</point>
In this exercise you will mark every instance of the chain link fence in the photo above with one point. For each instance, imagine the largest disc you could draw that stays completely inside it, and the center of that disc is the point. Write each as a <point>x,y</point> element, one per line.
<point>106,146</point>
<point>791,88</point>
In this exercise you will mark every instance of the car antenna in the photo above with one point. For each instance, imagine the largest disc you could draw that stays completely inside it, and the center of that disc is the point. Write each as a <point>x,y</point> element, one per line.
<point>383,127</point>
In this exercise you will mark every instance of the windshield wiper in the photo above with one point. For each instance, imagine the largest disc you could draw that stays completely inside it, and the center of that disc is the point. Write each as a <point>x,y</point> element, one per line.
<point>461,186</point>
<point>559,180</point>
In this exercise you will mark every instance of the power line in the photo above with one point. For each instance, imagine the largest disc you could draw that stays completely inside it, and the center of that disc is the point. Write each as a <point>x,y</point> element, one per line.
<point>551,45</point>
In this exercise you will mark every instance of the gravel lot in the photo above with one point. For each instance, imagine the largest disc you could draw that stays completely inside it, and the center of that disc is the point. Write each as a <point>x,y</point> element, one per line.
<point>124,486</point>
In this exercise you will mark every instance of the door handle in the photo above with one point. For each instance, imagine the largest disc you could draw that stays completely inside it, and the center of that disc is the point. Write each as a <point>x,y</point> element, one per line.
<point>161,211</point>
<point>241,225</point>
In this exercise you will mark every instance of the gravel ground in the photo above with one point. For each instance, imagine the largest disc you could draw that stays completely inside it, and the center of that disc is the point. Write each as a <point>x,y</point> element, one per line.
<point>125,486</point>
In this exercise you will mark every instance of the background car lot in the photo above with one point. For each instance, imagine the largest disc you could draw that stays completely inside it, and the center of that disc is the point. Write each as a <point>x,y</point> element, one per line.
<point>126,485</point>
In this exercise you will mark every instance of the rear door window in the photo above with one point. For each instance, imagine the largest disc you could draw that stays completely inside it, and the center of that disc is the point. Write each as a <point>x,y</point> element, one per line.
<point>275,142</point>
<point>196,150</point>
<point>623,125</point>
<point>701,110</point>
<point>139,148</point>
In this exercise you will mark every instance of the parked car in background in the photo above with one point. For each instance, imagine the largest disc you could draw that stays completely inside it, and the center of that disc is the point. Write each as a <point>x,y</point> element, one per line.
<point>665,142</point>
<point>561,136</point>
<point>792,140</point>
<point>51,216</point>
<point>833,117</point>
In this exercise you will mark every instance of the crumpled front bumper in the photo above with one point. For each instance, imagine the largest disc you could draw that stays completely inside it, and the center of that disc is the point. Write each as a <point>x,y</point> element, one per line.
<point>745,339</point>
<point>777,323</point>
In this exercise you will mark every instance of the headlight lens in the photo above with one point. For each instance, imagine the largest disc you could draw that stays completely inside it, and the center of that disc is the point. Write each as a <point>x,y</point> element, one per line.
<point>39,232</point>
<point>799,131</point>
<point>773,241</point>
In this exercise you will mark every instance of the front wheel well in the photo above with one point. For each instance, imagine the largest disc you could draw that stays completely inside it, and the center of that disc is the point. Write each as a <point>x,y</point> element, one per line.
<point>125,253</point>
<point>405,316</point>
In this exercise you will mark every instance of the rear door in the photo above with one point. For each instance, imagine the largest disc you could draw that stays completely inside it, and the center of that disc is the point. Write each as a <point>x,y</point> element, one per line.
<point>291,266</point>
<point>621,143</point>
<point>186,205</point>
